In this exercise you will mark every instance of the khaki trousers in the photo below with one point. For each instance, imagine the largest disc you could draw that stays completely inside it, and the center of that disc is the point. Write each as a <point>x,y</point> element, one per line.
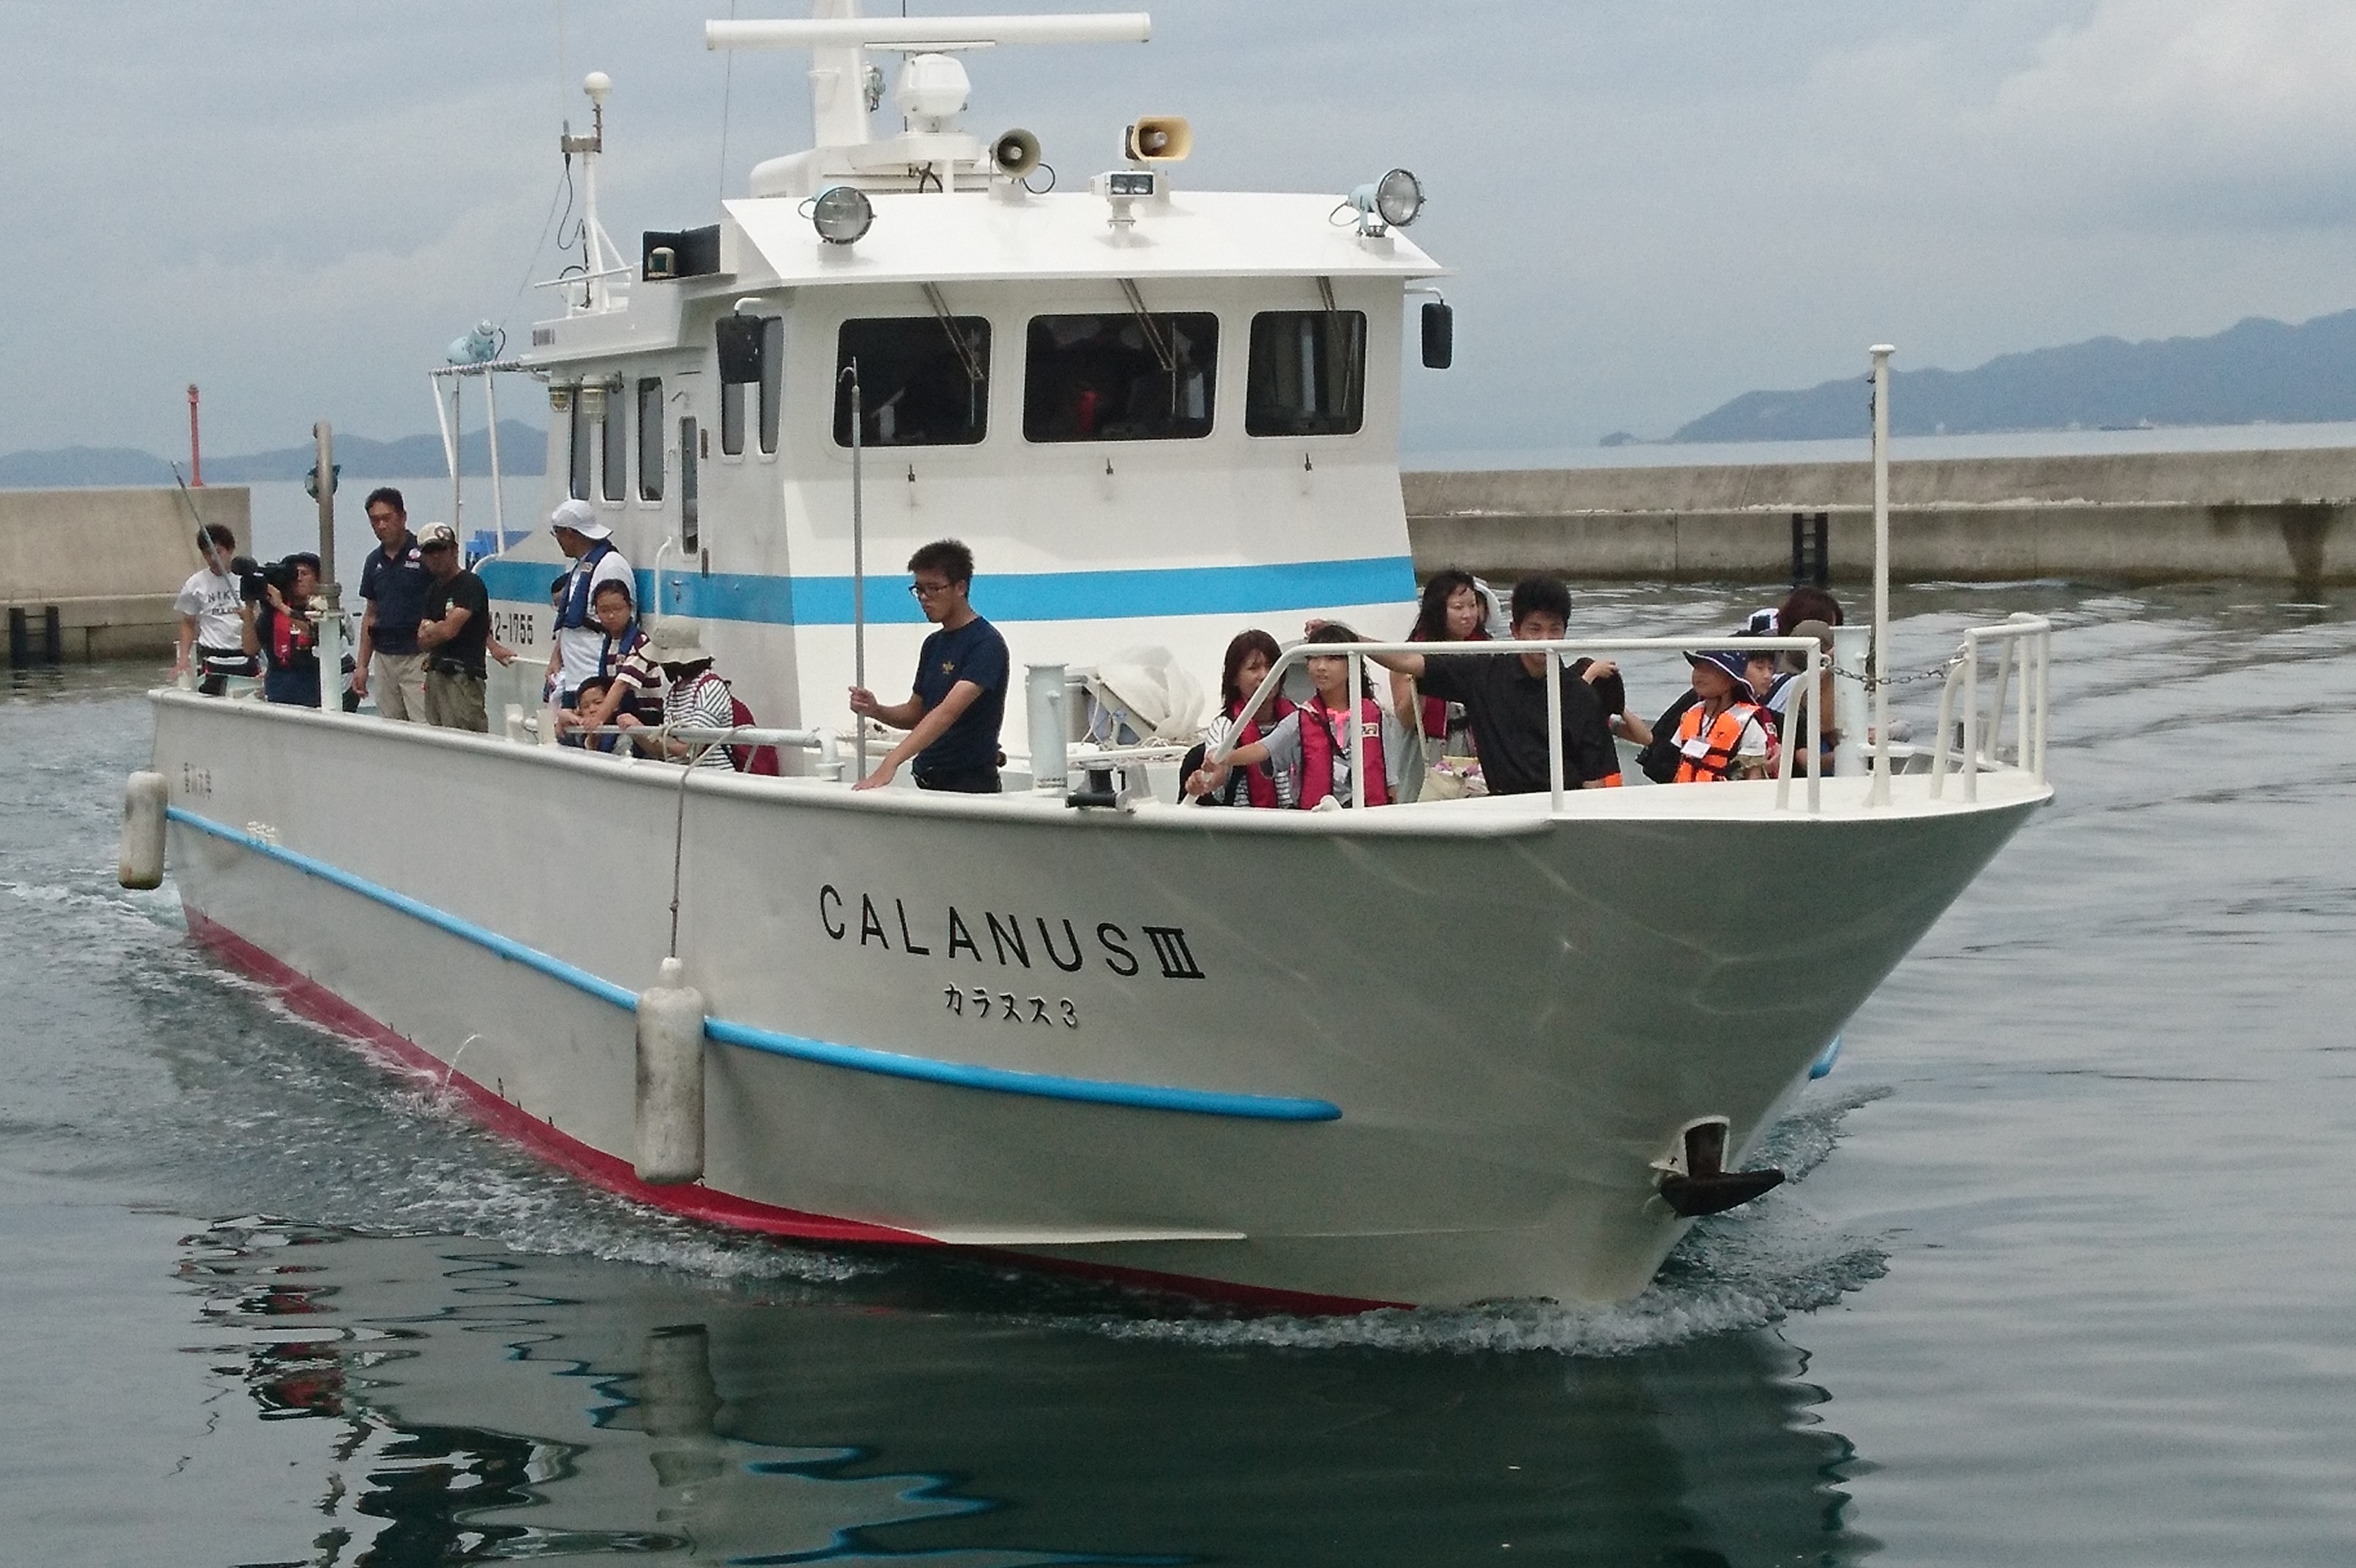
<point>456,702</point>
<point>398,683</point>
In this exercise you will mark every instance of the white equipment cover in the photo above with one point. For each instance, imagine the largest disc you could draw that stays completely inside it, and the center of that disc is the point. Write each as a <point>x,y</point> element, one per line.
<point>1152,692</point>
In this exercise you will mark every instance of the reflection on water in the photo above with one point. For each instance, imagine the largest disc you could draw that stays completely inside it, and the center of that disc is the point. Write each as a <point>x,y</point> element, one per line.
<point>476,1406</point>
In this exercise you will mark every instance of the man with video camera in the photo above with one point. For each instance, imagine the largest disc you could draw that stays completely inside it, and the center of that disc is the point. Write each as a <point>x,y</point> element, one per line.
<point>280,629</point>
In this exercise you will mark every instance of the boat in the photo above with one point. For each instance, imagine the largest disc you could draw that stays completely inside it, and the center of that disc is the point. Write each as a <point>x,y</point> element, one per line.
<point>1435,1052</point>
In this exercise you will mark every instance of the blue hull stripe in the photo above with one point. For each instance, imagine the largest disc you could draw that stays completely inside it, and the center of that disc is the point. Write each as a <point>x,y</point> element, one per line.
<point>891,1064</point>
<point>1009,597</point>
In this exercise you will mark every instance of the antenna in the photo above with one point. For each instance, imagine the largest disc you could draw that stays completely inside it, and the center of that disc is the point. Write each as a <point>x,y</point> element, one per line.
<point>838,39</point>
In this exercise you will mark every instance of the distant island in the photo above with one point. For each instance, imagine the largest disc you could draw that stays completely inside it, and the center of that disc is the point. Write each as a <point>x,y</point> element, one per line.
<point>523,449</point>
<point>2255,371</point>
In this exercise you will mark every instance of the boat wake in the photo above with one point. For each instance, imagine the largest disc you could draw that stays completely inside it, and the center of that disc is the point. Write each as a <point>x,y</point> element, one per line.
<point>1735,1272</point>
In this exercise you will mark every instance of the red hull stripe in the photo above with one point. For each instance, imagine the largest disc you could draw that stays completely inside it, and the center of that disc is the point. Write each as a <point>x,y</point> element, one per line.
<point>315,1001</point>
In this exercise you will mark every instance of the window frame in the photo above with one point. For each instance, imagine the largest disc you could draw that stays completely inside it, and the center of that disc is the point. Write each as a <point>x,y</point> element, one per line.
<point>614,452</point>
<point>839,422</point>
<point>1208,369</point>
<point>650,387</point>
<point>1349,421</point>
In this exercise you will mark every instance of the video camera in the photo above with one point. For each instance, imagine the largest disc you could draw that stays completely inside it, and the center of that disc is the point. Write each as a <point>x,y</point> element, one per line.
<point>254,577</point>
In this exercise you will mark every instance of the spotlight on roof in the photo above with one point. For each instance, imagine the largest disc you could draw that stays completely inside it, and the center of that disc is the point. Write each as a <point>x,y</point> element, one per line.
<point>840,214</point>
<point>1391,201</point>
<point>477,347</point>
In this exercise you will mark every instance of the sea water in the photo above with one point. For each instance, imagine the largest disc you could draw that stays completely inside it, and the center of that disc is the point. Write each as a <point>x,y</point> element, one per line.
<point>2064,1275</point>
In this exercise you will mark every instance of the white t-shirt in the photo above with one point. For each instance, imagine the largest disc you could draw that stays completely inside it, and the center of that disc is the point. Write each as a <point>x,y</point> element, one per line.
<point>212,598</point>
<point>580,645</point>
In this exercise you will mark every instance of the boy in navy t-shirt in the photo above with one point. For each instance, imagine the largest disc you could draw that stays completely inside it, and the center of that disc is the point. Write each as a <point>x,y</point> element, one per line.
<point>952,715</point>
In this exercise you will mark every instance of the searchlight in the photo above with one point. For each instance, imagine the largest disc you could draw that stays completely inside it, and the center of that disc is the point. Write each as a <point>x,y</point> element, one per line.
<point>841,214</point>
<point>1392,201</point>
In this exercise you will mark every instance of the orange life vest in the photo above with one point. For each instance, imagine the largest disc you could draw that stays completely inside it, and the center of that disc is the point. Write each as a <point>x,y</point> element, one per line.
<point>1706,747</point>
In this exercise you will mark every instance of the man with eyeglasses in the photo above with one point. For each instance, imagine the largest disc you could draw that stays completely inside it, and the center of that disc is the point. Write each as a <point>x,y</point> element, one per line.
<point>953,715</point>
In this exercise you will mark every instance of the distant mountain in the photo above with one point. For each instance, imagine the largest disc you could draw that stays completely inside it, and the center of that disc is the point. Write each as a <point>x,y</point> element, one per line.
<point>2256,370</point>
<point>523,449</point>
<point>65,467</point>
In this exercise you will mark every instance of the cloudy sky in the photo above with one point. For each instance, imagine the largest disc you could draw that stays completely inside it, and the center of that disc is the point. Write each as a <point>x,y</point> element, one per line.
<point>1653,204</point>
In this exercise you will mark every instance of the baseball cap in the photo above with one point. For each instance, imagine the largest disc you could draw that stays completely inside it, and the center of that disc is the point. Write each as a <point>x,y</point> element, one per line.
<point>581,517</point>
<point>433,534</point>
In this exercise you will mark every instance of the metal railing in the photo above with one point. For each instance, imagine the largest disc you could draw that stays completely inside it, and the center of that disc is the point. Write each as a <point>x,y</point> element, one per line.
<point>2022,641</point>
<point>1804,697</point>
<point>822,742</point>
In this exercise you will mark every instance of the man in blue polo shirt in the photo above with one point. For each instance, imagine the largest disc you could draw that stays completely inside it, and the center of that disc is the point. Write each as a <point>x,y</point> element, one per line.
<point>952,716</point>
<point>395,583</point>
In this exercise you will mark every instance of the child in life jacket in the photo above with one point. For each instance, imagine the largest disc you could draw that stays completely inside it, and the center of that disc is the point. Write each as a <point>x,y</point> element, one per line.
<point>1726,734</point>
<point>1250,657</point>
<point>1314,740</point>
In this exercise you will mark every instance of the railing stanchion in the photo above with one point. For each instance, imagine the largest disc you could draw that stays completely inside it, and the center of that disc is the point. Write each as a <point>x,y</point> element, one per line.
<point>1554,727</point>
<point>2044,695</point>
<point>1357,731</point>
<point>1971,762</point>
<point>1814,696</point>
<point>1880,793</point>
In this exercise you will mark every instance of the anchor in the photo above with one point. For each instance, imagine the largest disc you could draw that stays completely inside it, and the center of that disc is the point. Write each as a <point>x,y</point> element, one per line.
<point>1696,1181</point>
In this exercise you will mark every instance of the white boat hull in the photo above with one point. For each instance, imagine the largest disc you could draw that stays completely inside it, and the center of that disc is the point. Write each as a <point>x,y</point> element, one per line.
<point>1449,1080</point>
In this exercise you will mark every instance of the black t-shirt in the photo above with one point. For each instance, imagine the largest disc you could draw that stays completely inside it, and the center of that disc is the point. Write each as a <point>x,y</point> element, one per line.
<point>463,592</point>
<point>397,583</point>
<point>974,652</point>
<point>1507,706</point>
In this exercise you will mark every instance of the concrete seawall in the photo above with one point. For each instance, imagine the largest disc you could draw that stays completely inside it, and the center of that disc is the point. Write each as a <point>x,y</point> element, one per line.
<point>108,561</point>
<point>2153,516</point>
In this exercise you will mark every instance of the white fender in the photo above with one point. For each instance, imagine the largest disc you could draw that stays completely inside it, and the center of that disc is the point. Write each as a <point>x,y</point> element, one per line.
<point>141,863</point>
<point>670,1079</point>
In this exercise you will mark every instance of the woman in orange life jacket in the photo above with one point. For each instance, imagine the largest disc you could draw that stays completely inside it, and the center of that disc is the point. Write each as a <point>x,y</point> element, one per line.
<point>1726,735</point>
<point>1314,740</point>
<point>1250,657</point>
<point>1453,611</point>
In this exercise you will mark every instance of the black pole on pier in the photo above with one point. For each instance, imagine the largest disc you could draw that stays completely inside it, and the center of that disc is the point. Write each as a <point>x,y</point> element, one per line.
<point>1811,548</point>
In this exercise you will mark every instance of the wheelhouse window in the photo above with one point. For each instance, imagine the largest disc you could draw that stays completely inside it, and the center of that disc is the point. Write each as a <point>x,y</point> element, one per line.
<point>584,433</point>
<point>1308,374</point>
<point>1122,375</point>
<point>923,381</point>
<point>690,512</point>
<point>613,450</point>
<point>650,439</point>
<point>773,378</point>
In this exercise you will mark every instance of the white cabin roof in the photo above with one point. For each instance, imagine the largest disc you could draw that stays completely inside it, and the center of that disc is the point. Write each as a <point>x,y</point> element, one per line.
<point>971,236</point>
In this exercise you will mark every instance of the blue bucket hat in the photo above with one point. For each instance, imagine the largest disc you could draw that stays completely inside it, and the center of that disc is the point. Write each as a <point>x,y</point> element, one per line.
<point>1728,659</point>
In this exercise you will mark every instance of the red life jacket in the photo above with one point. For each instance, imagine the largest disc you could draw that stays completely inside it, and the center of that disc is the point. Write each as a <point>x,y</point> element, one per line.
<point>1259,783</point>
<point>1713,759</point>
<point>1320,736</point>
<point>293,641</point>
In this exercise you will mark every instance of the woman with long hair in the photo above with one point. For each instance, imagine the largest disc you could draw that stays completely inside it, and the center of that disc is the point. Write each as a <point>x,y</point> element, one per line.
<point>1452,610</point>
<point>1250,657</point>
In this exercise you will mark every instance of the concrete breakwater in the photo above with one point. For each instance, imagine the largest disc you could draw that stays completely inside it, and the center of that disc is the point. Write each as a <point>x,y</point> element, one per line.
<point>2145,517</point>
<point>91,574</point>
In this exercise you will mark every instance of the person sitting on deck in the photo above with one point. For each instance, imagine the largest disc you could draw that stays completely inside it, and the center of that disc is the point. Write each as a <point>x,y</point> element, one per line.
<point>1504,697</point>
<point>1250,657</point>
<point>570,722</point>
<point>693,695</point>
<point>1727,733</point>
<point>1314,740</point>
<point>624,677</point>
<point>1453,610</point>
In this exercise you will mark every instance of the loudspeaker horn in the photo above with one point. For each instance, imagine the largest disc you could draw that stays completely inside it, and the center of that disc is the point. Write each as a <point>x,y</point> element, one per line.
<point>1016,154</point>
<point>1158,139</point>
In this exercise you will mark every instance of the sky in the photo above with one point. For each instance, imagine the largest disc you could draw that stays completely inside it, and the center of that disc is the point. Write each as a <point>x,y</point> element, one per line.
<point>1651,205</point>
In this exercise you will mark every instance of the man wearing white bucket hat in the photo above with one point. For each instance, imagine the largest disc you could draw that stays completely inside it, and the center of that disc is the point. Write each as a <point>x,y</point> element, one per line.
<point>588,543</point>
